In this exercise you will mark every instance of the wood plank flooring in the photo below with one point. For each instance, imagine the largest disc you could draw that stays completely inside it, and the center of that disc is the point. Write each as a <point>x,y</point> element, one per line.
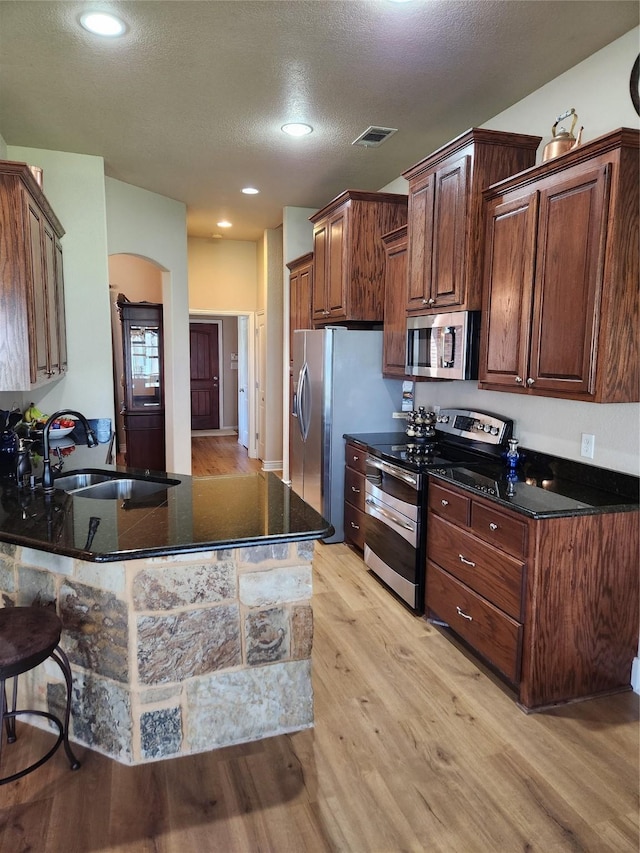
<point>415,748</point>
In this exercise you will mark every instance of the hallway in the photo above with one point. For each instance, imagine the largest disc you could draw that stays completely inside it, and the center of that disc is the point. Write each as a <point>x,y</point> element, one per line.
<point>213,455</point>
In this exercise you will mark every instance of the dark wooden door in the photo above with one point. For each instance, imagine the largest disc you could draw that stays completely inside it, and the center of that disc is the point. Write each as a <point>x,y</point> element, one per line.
<point>394,345</point>
<point>449,237</point>
<point>510,269</point>
<point>421,202</point>
<point>205,376</point>
<point>569,261</point>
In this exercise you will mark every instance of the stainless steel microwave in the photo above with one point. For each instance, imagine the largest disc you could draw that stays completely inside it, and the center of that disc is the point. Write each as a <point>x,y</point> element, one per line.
<point>443,346</point>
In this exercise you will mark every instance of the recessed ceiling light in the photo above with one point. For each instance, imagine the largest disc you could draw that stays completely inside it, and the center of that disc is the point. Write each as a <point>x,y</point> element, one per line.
<point>102,24</point>
<point>296,129</point>
<point>250,191</point>
<point>223,224</point>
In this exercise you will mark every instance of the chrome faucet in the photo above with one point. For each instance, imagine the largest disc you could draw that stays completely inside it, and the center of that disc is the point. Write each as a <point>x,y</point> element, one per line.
<point>92,441</point>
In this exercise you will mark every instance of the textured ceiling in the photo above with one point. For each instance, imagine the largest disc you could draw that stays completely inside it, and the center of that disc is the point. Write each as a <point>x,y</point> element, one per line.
<point>189,103</point>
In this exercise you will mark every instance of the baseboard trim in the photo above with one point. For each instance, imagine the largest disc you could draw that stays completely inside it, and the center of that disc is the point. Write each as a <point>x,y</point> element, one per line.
<point>635,675</point>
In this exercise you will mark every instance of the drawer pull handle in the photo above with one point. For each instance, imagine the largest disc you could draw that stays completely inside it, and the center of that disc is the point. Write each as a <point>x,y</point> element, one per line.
<point>355,526</point>
<point>353,489</point>
<point>464,615</point>
<point>493,526</point>
<point>355,458</point>
<point>466,562</point>
<point>444,503</point>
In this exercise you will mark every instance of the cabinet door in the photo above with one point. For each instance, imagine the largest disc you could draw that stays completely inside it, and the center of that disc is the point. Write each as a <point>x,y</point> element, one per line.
<point>421,199</point>
<point>337,269</point>
<point>449,233</point>
<point>53,348</point>
<point>60,313</point>
<point>300,289</point>
<point>569,263</point>
<point>395,322</point>
<point>38,300</point>
<point>320,249</point>
<point>506,318</point>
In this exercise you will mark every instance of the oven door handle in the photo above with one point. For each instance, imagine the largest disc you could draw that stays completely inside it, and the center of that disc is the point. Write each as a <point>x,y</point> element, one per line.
<point>394,518</point>
<point>393,471</point>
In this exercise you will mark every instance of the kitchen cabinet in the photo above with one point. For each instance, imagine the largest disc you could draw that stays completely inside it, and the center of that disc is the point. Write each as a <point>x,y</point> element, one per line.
<point>143,384</point>
<point>32,320</point>
<point>560,312</point>
<point>300,288</point>
<point>445,221</point>
<point>348,285</point>
<point>355,458</point>
<point>550,603</point>
<point>394,339</point>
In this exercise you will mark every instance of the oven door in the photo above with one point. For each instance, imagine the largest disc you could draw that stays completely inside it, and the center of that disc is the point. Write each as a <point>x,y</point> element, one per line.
<point>391,544</point>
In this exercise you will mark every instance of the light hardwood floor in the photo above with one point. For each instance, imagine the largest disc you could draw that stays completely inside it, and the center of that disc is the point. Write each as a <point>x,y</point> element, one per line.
<point>415,748</point>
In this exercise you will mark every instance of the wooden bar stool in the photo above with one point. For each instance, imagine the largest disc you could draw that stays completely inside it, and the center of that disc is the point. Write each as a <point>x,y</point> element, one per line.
<point>28,636</point>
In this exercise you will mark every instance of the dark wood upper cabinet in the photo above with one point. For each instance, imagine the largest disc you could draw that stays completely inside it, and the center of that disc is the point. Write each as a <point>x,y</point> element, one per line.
<point>395,288</point>
<point>32,321</point>
<point>445,223</point>
<point>348,284</point>
<point>560,309</point>
<point>300,290</point>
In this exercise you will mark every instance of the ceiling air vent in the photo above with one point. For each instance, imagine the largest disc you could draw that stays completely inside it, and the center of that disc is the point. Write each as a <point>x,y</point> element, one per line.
<point>374,136</point>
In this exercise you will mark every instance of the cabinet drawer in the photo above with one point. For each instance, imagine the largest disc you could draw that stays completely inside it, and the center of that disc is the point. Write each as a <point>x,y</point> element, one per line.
<point>490,572</point>
<point>499,529</point>
<point>491,632</point>
<point>354,488</point>
<point>448,504</point>
<point>354,520</point>
<point>355,457</point>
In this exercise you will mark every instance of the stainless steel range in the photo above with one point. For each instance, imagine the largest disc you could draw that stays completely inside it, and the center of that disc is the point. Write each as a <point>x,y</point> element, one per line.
<point>396,489</point>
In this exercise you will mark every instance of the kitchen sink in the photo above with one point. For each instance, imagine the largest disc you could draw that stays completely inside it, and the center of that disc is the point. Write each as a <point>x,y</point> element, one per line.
<point>80,480</point>
<point>112,485</point>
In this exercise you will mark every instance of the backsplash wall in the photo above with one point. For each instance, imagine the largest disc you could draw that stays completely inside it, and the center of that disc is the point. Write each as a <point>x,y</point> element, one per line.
<point>551,425</point>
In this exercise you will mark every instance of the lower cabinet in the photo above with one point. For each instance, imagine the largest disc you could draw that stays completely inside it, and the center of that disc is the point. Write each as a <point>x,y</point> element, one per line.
<point>354,480</point>
<point>145,444</point>
<point>551,604</point>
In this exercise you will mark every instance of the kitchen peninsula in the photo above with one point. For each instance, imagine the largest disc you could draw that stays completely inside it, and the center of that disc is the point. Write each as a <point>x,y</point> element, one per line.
<point>187,613</point>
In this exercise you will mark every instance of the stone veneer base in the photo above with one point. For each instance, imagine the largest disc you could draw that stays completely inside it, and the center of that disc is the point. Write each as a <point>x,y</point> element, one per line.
<point>173,655</point>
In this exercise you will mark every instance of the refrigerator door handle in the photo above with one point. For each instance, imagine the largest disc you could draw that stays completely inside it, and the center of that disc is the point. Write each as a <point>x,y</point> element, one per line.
<point>303,401</point>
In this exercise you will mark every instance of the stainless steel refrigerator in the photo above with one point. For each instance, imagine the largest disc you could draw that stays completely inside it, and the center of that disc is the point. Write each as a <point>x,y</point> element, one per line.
<point>337,388</point>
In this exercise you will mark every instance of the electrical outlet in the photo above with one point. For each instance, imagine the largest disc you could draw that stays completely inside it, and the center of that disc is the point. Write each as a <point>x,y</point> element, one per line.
<point>588,445</point>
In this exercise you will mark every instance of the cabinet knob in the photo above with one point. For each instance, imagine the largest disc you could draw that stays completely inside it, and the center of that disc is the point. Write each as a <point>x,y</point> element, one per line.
<point>493,526</point>
<point>425,301</point>
<point>530,382</point>
<point>444,502</point>
<point>432,301</point>
<point>518,380</point>
<point>355,458</point>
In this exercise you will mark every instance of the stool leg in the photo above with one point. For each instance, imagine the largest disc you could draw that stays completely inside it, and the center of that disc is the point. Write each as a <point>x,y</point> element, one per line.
<point>63,662</point>
<point>11,720</point>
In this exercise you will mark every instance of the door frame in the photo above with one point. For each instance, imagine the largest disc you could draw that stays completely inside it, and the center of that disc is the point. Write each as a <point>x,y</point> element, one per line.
<point>197,315</point>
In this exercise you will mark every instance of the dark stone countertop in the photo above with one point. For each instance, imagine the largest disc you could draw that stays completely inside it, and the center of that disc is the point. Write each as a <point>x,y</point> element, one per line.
<point>545,486</point>
<point>199,514</point>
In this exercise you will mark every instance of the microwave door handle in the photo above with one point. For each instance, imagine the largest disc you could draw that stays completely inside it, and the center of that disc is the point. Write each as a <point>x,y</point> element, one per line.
<point>448,337</point>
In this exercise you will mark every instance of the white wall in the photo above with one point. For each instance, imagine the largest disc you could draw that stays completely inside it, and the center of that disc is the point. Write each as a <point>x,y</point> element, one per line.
<point>152,226</point>
<point>74,186</point>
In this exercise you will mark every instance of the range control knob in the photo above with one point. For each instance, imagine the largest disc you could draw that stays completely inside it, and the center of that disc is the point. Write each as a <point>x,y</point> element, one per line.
<point>487,427</point>
<point>494,430</point>
<point>477,425</point>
